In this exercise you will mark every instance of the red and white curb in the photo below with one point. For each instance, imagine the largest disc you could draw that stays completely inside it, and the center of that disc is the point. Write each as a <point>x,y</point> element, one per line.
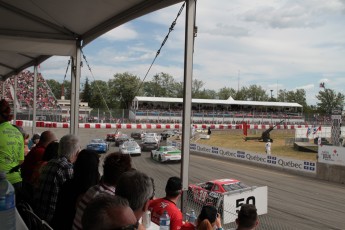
<point>47,124</point>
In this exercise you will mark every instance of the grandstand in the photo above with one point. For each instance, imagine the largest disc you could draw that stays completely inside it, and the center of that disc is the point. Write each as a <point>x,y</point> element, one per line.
<point>46,103</point>
<point>169,110</point>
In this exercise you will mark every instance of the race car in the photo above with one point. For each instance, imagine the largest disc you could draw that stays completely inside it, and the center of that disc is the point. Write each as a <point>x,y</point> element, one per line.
<point>130,147</point>
<point>209,192</point>
<point>228,195</point>
<point>98,145</point>
<point>166,153</point>
<point>113,136</point>
<point>122,138</point>
<point>157,137</point>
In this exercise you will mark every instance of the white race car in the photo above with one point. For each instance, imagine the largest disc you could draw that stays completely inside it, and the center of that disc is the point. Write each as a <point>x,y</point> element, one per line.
<point>130,147</point>
<point>166,153</point>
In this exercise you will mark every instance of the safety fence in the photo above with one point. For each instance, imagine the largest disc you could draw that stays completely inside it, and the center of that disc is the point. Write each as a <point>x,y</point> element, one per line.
<point>49,124</point>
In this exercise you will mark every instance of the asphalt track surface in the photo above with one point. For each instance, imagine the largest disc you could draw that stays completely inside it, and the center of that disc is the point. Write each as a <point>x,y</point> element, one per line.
<point>294,202</point>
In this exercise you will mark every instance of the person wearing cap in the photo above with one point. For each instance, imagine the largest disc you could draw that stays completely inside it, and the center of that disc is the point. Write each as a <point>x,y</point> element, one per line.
<point>173,191</point>
<point>11,146</point>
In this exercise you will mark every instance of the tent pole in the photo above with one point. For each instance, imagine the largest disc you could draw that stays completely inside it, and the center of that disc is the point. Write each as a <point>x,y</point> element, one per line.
<point>75,87</point>
<point>187,97</point>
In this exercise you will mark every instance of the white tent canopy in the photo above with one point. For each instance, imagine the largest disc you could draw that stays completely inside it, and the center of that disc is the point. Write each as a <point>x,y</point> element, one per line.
<point>32,31</point>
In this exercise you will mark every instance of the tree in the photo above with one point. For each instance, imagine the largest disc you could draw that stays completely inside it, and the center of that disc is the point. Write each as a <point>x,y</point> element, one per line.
<point>196,88</point>
<point>298,96</point>
<point>99,95</point>
<point>329,100</point>
<point>87,94</point>
<point>55,87</point>
<point>67,89</point>
<point>226,92</point>
<point>124,87</point>
<point>161,85</point>
<point>256,93</point>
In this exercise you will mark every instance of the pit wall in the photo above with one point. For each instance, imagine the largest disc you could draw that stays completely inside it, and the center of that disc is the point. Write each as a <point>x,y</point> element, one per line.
<point>47,124</point>
<point>300,167</point>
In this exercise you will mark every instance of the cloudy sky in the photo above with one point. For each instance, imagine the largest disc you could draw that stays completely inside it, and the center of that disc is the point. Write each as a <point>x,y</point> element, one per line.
<point>277,44</point>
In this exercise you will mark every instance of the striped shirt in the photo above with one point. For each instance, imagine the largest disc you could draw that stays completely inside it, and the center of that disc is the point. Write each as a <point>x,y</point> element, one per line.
<point>88,196</point>
<point>53,175</point>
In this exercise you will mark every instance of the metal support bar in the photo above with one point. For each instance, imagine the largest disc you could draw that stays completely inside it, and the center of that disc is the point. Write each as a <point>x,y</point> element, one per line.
<point>35,101</point>
<point>75,87</point>
<point>187,97</point>
<point>15,99</point>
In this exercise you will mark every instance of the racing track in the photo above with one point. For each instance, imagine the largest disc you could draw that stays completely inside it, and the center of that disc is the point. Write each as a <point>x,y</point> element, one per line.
<point>294,202</point>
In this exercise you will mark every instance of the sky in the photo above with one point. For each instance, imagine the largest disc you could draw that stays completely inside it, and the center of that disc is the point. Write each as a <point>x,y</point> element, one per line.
<point>275,44</point>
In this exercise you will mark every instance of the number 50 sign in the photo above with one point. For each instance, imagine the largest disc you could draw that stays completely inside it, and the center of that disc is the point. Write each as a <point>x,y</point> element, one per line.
<point>234,201</point>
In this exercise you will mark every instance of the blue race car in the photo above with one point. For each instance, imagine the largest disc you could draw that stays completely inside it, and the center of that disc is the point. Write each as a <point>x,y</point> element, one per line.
<point>98,145</point>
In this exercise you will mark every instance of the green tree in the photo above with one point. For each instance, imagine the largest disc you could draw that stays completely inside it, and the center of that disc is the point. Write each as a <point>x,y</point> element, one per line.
<point>67,89</point>
<point>256,93</point>
<point>196,88</point>
<point>124,87</point>
<point>226,92</point>
<point>298,96</point>
<point>55,87</point>
<point>328,100</point>
<point>161,85</point>
<point>99,95</point>
<point>87,94</point>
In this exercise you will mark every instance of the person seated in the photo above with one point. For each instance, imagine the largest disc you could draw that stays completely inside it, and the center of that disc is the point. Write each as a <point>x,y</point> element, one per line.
<point>35,156</point>
<point>247,218</point>
<point>115,164</point>
<point>53,176</point>
<point>109,212</point>
<point>173,191</point>
<point>85,175</point>
<point>138,189</point>
<point>208,219</point>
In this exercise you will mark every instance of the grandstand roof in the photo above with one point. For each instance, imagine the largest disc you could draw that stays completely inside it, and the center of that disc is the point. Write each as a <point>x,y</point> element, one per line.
<point>33,31</point>
<point>230,101</point>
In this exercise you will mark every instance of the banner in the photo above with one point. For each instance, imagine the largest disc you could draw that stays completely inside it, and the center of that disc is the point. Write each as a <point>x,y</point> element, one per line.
<point>331,155</point>
<point>275,161</point>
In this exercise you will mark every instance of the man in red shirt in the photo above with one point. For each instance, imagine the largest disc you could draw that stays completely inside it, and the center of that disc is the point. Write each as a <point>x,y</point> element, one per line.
<point>173,190</point>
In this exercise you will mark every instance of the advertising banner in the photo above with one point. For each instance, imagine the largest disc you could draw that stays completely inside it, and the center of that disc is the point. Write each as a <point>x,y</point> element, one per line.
<point>234,201</point>
<point>275,161</point>
<point>331,155</point>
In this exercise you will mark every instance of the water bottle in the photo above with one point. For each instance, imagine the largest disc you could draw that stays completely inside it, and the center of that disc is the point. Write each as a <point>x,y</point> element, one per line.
<point>192,217</point>
<point>7,204</point>
<point>147,219</point>
<point>164,221</point>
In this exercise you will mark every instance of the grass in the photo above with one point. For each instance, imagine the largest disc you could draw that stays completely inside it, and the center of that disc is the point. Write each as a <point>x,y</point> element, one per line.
<point>233,139</point>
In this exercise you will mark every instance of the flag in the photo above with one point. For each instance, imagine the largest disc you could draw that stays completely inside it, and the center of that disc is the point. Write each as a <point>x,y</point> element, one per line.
<point>315,129</point>
<point>245,128</point>
<point>308,131</point>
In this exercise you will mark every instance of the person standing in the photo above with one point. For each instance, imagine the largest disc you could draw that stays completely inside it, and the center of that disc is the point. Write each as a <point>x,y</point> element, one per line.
<point>268,147</point>
<point>11,146</point>
<point>173,191</point>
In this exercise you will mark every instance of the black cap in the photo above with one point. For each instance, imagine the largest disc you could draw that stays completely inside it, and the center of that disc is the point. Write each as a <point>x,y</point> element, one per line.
<point>174,184</point>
